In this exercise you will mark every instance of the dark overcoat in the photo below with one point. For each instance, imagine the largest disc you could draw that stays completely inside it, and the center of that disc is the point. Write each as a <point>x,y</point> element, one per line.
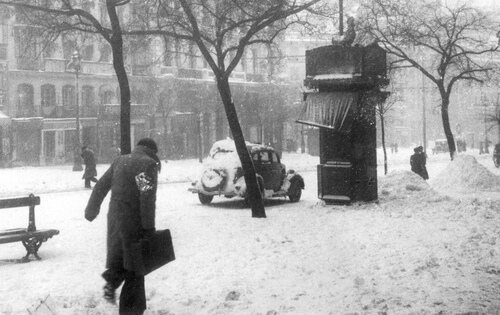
<point>417,163</point>
<point>132,179</point>
<point>90,163</point>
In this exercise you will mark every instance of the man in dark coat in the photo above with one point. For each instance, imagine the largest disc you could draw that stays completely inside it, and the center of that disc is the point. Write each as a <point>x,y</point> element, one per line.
<point>132,179</point>
<point>90,166</point>
<point>418,161</point>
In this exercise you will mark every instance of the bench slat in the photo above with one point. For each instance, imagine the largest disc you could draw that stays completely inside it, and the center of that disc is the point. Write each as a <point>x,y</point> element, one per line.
<point>19,202</point>
<point>40,234</point>
<point>13,231</point>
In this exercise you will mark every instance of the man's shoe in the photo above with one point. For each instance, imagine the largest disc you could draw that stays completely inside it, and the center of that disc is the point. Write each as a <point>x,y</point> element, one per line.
<point>109,293</point>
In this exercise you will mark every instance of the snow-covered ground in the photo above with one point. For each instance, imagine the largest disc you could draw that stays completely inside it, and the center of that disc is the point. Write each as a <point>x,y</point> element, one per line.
<point>424,248</point>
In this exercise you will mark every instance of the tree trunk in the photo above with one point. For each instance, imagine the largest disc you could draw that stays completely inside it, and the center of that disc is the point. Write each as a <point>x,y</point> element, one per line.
<point>253,190</point>
<point>445,102</point>
<point>119,66</point>
<point>382,130</point>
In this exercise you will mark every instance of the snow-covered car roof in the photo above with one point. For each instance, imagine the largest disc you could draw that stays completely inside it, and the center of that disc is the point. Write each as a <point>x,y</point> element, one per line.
<point>227,145</point>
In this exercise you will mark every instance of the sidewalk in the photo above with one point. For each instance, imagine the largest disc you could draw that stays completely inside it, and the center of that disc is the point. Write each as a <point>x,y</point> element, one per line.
<point>19,181</point>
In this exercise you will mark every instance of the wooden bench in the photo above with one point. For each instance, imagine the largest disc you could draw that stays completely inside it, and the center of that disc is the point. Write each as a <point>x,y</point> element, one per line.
<point>31,238</point>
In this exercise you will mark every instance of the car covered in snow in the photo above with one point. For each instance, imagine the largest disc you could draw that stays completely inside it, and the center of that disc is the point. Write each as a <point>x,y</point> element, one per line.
<point>222,174</point>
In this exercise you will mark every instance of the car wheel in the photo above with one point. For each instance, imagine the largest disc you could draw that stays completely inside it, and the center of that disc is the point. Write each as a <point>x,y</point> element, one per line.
<point>205,199</point>
<point>294,192</point>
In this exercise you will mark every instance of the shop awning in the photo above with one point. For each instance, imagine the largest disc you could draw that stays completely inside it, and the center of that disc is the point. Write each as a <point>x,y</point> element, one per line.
<point>4,119</point>
<point>329,110</point>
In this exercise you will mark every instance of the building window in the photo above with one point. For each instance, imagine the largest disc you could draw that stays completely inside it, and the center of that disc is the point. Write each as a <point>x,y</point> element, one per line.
<point>88,99</point>
<point>255,62</point>
<point>243,61</point>
<point>4,33</point>
<point>69,47</point>
<point>103,14</point>
<point>48,95</point>
<point>107,97</point>
<point>163,105</point>
<point>177,51</point>
<point>88,52</point>
<point>138,96</point>
<point>27,47</point>
<point>25,94</point>
<point>192,56</point>
<point>168,52</point>
<point>68,96</point>
<point>105,52</point>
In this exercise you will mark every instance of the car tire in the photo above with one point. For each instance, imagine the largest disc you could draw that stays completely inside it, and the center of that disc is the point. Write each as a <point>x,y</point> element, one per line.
<point>295,191</point>
<point>205,199</point>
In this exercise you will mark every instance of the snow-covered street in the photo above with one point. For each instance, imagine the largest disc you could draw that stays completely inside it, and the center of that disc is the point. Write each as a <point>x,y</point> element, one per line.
<point>424,248</point>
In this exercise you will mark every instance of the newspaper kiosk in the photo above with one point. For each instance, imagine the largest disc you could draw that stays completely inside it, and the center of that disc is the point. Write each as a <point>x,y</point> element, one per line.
<point>344,88</point>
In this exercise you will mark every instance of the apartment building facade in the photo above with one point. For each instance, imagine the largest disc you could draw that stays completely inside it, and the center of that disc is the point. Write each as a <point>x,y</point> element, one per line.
<point>174,97</point>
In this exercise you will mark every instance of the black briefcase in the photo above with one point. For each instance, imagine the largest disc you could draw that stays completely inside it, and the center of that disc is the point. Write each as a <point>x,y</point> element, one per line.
<point>154,252</point>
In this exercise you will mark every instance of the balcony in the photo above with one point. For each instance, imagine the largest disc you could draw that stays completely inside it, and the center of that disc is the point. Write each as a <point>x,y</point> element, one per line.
<point>168,70</point>
<point>256,77</point>
<point>190,73</point>
<point>97,67</point>
<point>141,70</point>
<point>60,65</point>
<point>238,76</point>
<point>24,63</point>
<point>26,112</point>
<point>112,111</point>
<point>54,65</point>
<point>67,111</point>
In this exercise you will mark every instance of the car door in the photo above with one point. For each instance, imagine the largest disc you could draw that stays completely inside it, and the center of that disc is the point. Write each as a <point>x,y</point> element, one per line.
<point>270,169</point>
<point>277,171</point>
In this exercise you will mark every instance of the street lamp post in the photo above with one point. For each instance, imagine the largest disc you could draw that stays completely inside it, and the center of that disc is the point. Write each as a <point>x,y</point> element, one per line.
<point>75,63</point>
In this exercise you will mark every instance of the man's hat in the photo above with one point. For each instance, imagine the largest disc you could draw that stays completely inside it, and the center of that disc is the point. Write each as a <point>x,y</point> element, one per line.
<point>148,143</point>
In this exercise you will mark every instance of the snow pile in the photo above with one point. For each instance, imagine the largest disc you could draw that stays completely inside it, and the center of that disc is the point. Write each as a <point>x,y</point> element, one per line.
<point>465,173</point>
<point>401,184</point>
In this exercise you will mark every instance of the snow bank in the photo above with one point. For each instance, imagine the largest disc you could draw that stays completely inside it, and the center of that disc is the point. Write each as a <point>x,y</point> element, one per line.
<point>465,173</point>
<point>401,184</point>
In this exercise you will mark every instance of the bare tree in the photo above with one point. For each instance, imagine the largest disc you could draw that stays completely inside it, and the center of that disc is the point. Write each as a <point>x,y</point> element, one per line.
<point>57,18</point>
<point>493,117</point>
<point>382,109</point>
<point>222,30</point>
<point>455,40</point>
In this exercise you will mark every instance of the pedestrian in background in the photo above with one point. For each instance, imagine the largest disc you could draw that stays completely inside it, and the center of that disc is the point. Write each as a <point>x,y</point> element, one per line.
<point>90,172</point>
<point>418,162</point>
<point>132,179</point>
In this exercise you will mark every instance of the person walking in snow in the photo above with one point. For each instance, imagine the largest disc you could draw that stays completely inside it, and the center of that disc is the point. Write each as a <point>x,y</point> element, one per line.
<point>132,179</point>
<point>418,161</point>
<point>90,166</point>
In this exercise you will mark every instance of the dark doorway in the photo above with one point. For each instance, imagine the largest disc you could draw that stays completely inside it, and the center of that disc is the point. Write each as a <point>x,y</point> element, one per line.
<point>49,150</point>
